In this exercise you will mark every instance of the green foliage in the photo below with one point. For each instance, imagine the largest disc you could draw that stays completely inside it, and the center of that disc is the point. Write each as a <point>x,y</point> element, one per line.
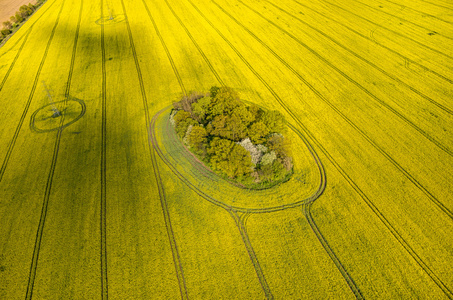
<point>7,25</point>
<point>182,122</point>
<point>197,140</point>
<point>256,112</point>
<point>213,91</point>
<point>229,158</point>
<point>257,132</point>
<point>268,158</point>
<point>25,11</point>
<point>274,120</point>
<point>224,131</point>
<point>200,108</point>
<point>19,17</point>
<point>187,100</point>
<point>5,32</point>
<point>280,145</point>
<point>224,102</point>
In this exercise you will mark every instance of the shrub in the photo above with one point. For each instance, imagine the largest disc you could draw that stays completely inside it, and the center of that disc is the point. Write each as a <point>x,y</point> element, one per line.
<point>268,158</point>
<point>255,153</point>
<point>280,145</point>
<point>19,17</point>
<point>257,132</point>
<point>182,121</point>
<point>25,11</point>
<point>196,139</point>
<point>7,25</point>
<point>200,108</point>
<point>6,32</point>
<point>229,158</point>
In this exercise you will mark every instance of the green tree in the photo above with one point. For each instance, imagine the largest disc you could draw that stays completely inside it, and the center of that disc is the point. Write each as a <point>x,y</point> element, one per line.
<point>7,25</point>
<point>200,109</point>
<point>257,132</point>
<point>224,102</point>
<point>229,158</point>
<point>25,11</point>
<point>19,17</point>
<point>256,112</point>
<point>213,91</point>
<point>280,145</point>
<point>5,32</point>
<point>197,140</point>
<point>274,120</point>
<point>182,122</point>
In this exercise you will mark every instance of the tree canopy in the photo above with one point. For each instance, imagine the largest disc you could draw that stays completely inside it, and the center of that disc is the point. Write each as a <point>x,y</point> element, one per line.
<point>240,141</point>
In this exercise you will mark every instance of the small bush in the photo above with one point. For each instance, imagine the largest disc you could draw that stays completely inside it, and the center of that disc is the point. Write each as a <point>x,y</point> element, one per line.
<point>7,25</point>
<point>19,17</point>
<point>6,32</point>
<point>25,11</point>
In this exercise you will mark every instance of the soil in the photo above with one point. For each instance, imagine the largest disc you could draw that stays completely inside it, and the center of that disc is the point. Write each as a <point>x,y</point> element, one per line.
<point>8,8</point>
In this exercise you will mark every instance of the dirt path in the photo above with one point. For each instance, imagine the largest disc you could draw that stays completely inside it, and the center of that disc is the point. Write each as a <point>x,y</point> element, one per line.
<point>9,8</point>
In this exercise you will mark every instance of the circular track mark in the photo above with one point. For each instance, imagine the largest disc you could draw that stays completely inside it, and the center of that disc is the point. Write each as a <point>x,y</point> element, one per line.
<point>109,20</point>
<point>48,117</point>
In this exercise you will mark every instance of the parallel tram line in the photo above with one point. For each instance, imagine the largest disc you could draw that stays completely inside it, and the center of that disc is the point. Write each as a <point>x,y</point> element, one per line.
<point>167,218</point>
<point>47,193</point>
<point>246,213</point>
<point>30,97</point>
<point>430,196</point>
<point>248,245</point>
<point>424,13</point>
<point>392,31</point>
<point>406,59</point>
<point>395,78</point>
<point>29,29</point>
<point>103,169</point>
<point>14,60</point>
<point>407,21</point>
<point>371,95</point>
<point>307,213</point>
<point>370,204</point>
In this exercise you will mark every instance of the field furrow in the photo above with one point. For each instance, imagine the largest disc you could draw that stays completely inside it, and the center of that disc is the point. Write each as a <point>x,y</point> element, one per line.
<point>100,198</point>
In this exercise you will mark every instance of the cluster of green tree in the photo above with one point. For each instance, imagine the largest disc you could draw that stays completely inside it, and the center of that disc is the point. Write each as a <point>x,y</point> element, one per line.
<point>245,143</point>
<point>21,15</point>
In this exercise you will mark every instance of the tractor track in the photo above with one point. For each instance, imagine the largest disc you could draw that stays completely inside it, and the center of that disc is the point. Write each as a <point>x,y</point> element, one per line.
<point>392,31</point>
<point>167,218</point>
<point>423,13</point>
<point>103,170</point>
<point>219,79</point>
<point>14,60</point>
<point>238,209</point>
<point>245,212</point>
<point>430,196</point>
<point>28,30</point>
<point>30,97</point>
<point>401,19</point>
<point>307,213</point>
<point>358,85</point>
<point>444,108</point>
<point>393,231</point>
<point>377,43</point>
<point>238,220</point>
<point>47,193</point>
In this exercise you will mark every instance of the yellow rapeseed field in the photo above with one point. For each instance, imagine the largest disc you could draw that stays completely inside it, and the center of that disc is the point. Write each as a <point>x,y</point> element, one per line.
<point>99,198</point>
